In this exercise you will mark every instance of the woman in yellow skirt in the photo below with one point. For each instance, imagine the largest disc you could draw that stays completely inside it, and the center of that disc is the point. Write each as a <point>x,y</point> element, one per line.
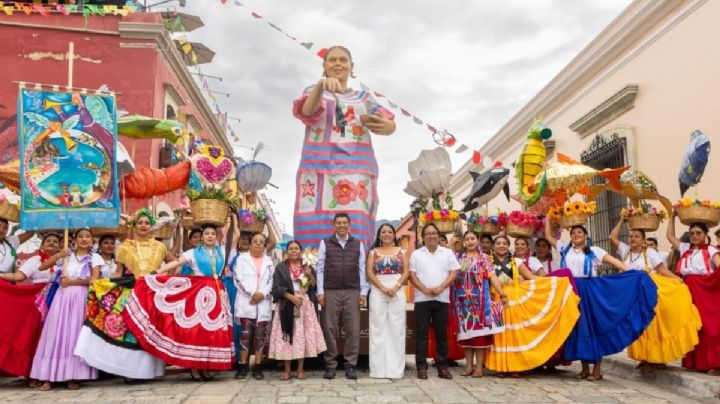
<point>674,330</point>
<point>539,316</point>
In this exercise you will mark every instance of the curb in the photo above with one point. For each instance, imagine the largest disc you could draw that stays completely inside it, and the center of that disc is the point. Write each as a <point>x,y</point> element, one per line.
<point>699,386</point>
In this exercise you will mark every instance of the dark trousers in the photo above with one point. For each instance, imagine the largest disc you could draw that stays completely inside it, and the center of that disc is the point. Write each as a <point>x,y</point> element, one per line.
<point>436,313</point>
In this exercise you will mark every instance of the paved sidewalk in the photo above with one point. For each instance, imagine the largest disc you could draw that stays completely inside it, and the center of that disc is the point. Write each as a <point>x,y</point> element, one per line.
<point>178,388</point>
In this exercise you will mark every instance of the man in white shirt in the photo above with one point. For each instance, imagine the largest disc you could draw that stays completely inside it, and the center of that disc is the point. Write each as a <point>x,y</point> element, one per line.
<point>432,271</point>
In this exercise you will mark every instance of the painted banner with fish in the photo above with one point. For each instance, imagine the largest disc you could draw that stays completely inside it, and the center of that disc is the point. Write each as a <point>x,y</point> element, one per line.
<point>68,170</point>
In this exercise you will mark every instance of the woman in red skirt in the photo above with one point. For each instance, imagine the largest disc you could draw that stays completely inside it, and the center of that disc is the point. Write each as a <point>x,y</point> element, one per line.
<point>698,266</point>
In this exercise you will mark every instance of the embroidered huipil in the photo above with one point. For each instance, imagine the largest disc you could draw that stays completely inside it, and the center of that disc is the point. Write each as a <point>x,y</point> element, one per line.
<point>338,171</point>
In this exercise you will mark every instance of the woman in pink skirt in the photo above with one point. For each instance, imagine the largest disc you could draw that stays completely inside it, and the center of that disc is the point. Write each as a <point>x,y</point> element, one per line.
<point>55,360</point>
<point>296,332</point>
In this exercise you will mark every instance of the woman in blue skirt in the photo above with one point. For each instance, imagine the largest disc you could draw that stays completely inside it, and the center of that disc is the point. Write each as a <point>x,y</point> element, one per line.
<point>614,310</point>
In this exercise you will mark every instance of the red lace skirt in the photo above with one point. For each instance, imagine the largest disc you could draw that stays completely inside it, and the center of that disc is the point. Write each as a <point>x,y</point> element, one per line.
<point>184,321</point>
<point>705,290</point>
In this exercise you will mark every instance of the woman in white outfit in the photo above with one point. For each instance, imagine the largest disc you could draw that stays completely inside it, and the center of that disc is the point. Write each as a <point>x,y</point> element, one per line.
<point>387,271</point>
<point>253,305</point>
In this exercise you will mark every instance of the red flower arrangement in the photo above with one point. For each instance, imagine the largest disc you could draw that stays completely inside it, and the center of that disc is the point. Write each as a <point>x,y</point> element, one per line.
<point>522,219</point>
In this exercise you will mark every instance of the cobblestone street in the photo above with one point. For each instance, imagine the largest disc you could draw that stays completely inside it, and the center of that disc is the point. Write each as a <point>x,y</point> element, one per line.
<point>178,388</point>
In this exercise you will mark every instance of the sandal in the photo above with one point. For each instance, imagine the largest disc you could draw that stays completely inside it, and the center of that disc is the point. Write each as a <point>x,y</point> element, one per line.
<point>47,386</point>
<point>478,373</point>
<point>582,375</point>
<point>714,372</point>
<point>32,383</point>
<point>285,376</point>
<point>467,372</point>
<point>593,378</point>
<point>300,375</point>
<point>71,385</point>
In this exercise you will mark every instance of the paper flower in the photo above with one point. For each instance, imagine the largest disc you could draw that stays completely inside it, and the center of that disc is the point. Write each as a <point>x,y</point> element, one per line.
<point>310,257</point>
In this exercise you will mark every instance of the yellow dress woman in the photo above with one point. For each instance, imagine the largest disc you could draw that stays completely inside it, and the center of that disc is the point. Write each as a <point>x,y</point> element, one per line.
<point>539,316</point>
<point>674,330</point>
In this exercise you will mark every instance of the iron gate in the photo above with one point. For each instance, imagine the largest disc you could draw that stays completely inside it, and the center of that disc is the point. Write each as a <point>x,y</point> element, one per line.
<point>606,153</point>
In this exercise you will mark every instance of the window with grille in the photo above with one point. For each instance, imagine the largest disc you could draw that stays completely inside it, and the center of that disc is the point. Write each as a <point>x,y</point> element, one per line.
<point>603,153</point>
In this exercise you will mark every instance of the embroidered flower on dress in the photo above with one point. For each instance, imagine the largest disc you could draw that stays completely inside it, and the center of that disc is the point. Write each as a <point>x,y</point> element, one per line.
<point>114,325</point>
<point>108,301</point>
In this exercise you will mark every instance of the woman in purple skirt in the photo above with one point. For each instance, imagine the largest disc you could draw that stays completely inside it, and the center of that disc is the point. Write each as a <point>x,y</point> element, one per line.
<point>55,360</point>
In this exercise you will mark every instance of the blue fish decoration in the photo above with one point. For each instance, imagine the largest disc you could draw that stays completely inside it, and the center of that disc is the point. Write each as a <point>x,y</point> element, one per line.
<point>694,161</point>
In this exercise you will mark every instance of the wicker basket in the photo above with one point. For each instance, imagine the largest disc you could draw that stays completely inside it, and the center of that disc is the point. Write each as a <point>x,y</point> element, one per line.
<point>444,226</point>
<point>256,226</point>
<point>489,228</point>
<point>573,220</point>
<point>10,212</point>
<point>209,211</point>
<point>514,230</point>
<point>110,231</point>
<point>644,222</point>
<point>188,223</point>
<point>165,232</point>
<point>698,213</point>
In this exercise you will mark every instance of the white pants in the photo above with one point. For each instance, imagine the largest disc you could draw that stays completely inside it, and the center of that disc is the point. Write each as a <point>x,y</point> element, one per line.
<point>387,331</point>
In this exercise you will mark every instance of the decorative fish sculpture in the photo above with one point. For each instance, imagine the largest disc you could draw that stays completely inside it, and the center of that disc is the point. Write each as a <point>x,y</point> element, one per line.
<point>531,162</point>
<point>637,187</point>
<point>486,186</point>
<point>694,161</point>
<point>567,177</point>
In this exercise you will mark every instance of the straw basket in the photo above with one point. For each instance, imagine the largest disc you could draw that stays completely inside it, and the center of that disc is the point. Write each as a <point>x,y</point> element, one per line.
<point>514,230</point>
<point>256,226</point>
<point>698,213</point>
<point>110,231</point>
<point>488,228</point>
<point>188,223</point>
<point>209,211</point>
<point>444,225</point>
<point>164,232</point>
<point>573,220</point>
<point>644,222</point>
<point>10,212</point>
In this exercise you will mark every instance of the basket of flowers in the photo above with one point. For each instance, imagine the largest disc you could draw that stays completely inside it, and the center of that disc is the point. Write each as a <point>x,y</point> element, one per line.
<point>695,211</point>
<point>251,220</point>
<point>644,217</point>
<point>444,218</point>
<point>487,224</point>
<point>572,213</point>
<point>520,224</point>
<point>210,206</point>
<point>9,211</point>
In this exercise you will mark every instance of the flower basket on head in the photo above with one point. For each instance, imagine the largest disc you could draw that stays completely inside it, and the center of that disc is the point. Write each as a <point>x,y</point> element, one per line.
<point>251,220</point>
<point>486,224</point>
<point>209,211</point>
<point>695,211</point>
<point>443,218</point>
<point>9,211</point>
<point>521,224</point>
<point>644,217</point>
<point>572,213</point>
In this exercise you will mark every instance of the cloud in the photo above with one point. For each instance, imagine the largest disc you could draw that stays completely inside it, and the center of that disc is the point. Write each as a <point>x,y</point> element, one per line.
<point>462,66</point>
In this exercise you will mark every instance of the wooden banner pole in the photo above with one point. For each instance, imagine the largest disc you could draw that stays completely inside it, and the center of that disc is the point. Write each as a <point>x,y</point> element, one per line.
<point>71,62</point>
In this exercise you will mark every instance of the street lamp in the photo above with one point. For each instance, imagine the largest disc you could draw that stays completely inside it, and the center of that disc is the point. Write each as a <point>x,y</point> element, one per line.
<point>416,207</point>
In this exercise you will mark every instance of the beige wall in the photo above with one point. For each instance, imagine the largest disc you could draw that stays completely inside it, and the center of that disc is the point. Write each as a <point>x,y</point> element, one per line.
<point>676,64</point>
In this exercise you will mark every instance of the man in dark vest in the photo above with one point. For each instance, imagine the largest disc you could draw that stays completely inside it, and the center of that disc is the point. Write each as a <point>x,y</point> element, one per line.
<point>342,288</point>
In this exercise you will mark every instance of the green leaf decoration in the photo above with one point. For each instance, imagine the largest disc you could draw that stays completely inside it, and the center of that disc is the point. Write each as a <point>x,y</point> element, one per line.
<point>331,182</point>
<point>332,204</point>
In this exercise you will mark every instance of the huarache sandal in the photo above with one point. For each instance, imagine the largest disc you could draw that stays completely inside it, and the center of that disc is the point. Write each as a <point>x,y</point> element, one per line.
<point>478,373</point>
<point>467,372</point>
<point>285,376</point>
